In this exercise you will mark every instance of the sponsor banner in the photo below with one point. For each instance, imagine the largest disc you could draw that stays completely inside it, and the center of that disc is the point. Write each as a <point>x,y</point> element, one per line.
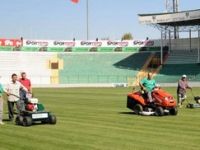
<point>10,42</point>
<point>62,44</point>
<point>129,43</point>
<point>36,43</point>
<point>48,43</point>
<point>66,44</point>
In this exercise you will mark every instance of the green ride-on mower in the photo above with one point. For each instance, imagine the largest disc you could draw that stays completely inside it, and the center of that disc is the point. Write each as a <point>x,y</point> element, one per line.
<point>31,112</point>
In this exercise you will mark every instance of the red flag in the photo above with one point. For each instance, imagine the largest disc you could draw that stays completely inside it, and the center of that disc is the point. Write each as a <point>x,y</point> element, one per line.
<point>75,1</point>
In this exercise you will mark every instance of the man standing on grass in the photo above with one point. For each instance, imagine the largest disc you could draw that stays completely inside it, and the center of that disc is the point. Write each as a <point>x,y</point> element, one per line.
<point>181,90</point>
<point>13,92</point>
<point>26,83</point>
<point>1,103</point>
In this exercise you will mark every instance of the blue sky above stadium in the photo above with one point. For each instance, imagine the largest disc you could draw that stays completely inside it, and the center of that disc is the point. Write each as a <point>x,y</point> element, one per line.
<point>61,19</point>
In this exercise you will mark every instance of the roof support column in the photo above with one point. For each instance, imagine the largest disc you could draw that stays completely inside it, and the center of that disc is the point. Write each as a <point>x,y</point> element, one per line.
<point>170,42</point>
<point>198,45</point>
<point>161,48</point>
<point>190,37</point>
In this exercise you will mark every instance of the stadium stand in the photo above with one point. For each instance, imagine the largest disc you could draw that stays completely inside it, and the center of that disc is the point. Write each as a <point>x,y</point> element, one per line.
<point>182,57</point>
<point>35,64</point>
<point>172,72</point>
<point>179,62</point>
<point>100,67</point>
<point>104,65</point>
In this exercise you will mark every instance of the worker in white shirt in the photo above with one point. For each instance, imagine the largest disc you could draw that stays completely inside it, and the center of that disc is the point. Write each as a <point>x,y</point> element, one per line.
<point>2,91</point>
<point>13,92</point>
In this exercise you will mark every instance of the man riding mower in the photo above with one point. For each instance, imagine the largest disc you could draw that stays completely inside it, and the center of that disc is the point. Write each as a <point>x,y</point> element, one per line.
<point>152,101</point>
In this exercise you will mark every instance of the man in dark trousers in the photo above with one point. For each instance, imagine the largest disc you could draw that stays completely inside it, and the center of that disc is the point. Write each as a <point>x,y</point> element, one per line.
<point>13,90</point>
<point>181,90</point>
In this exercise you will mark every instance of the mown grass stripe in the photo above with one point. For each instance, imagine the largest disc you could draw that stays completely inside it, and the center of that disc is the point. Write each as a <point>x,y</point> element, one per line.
<point>97,119</point>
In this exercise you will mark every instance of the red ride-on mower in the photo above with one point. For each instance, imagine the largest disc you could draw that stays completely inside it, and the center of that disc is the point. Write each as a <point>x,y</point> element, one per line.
<point>164,103</point>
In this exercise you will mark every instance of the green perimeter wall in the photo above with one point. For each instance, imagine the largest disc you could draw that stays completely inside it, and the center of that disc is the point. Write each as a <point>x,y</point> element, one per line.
<point>80,49</point>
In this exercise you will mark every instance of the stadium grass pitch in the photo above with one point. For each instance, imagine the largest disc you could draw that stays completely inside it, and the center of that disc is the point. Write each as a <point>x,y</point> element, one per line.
<point>97,119</point>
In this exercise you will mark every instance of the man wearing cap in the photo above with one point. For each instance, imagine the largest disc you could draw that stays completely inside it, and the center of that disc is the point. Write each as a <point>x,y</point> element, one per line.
<point>181,89</point>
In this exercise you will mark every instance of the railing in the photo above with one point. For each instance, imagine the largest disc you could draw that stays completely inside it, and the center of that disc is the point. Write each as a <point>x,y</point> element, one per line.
<point>93,79</point>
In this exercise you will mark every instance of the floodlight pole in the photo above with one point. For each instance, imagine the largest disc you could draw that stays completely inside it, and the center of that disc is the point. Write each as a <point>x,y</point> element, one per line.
<point>175,9</point>
<point>87,19</point>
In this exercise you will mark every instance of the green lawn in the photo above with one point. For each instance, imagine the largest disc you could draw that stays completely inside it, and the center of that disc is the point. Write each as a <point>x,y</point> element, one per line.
<point>97,119</point>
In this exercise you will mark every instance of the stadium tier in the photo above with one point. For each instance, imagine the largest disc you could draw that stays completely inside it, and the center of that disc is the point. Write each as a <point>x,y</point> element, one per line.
<point>183,57</point>
<point>100,67</point>
<point>82,62</point>
<point>63,68</point>
<point>87,67</point>
<point>35,64</point>
<point>171,73</point>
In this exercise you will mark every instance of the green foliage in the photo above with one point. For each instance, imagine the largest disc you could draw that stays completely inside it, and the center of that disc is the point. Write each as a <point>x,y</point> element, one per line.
<point>127,36</point>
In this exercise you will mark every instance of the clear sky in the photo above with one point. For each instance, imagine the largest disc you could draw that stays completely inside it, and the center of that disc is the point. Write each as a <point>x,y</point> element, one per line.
<point>60,19</point>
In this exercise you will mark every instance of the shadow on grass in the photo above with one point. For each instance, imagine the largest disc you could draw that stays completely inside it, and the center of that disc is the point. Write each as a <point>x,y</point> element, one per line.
<point>34,124</point>
<point>7,120</point>
<point>132,113</point>
<point>127,113</point>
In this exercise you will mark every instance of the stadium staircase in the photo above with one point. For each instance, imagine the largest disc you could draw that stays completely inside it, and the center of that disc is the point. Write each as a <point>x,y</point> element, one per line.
<point>152,65</point>
<point>144,71</point>
<point>134,81</point>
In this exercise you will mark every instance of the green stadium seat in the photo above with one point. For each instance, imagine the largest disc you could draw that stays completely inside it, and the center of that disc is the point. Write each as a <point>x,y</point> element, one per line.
<point>172,72</point>
<point>100,67</point>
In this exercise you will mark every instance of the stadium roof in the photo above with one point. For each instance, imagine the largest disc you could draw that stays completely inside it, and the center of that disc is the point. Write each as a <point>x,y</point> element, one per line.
<point>183,18</point>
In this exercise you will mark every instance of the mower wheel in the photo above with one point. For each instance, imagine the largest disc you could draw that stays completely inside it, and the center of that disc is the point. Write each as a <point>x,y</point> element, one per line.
<point>19,120</point>
<point>27,121</point>
<point>138,109</point>
<point>173,111</point>
<point>159,111</point>
<point>45,121</point>
<point>52,119</point>
<point>188,106</point>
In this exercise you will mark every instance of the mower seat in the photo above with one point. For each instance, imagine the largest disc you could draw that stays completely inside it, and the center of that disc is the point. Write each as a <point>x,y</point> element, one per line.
<point>33,100</point>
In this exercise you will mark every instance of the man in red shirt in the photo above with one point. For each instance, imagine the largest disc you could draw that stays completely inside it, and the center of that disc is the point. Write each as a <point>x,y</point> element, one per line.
<point>25,82</point>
